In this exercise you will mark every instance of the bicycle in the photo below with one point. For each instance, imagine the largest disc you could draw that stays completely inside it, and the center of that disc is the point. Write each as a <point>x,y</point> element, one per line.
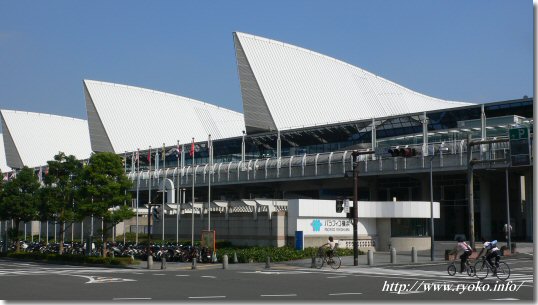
<point>468,266</point>
<point>482,268</point>
<point>321,259</point>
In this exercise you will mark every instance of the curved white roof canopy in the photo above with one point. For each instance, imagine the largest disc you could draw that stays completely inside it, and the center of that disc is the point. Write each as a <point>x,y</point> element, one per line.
<point>287,87</point>
<point>3,164</point>
<point>123,118</point>
<point>32,139</point>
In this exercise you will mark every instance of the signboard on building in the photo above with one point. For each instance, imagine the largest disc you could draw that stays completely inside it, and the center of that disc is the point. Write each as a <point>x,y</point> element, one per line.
<point>519,146</point>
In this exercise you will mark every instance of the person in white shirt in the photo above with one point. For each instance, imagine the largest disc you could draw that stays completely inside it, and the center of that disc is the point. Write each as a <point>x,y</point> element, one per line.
<point>331,245</point>
<point>492,251</point>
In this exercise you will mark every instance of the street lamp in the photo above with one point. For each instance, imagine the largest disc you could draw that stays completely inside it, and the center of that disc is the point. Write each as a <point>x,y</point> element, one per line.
<point>432,246</point>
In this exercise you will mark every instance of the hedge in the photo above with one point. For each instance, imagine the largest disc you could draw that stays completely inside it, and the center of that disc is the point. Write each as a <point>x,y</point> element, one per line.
<point>71,258</point>
<point>260,254</point>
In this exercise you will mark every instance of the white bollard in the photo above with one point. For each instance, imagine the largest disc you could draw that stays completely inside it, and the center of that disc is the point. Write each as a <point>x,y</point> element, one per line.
<point>370,257</point>
<point>225,261</point>
<point>414,258</point>
<point>393,256</point>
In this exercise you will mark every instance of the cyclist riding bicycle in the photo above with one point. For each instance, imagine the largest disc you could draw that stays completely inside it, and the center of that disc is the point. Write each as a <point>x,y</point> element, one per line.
<point>331,245</point>
<point>492,251</point>
<point>467,251</point>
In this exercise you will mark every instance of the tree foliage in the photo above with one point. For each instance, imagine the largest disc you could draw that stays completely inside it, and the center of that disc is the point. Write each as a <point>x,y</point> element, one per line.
<point>58,192</point>
<point>104,190</point>
<point>20,198</point>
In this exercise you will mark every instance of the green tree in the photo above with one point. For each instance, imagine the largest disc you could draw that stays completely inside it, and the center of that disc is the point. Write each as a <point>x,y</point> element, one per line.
<point>103,191</point>
<point>20,199</point>
<point>58,193</point>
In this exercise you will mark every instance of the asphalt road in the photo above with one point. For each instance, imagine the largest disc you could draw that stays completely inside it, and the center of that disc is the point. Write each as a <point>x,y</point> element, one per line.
<point>35,282</point>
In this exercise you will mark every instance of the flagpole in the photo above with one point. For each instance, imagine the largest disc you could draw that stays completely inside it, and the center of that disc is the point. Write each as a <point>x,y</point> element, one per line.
<point>149,208</point>
<point>178,195</point>
<point>137,190</point>
<point>164,182</point>
<point>193,177</point>
<point>210,150</point>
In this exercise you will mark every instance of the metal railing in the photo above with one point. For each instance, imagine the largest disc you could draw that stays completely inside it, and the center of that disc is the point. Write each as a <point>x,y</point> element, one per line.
<point>321,165</point>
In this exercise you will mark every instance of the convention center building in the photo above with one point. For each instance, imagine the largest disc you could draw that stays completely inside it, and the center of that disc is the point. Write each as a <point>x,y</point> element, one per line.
<point>285,168</point>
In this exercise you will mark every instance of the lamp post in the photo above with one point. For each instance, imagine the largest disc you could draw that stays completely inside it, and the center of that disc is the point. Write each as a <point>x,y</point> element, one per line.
<point>432,245</point>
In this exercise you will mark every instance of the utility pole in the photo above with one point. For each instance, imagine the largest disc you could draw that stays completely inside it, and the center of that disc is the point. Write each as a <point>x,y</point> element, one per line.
<point>354,155</point>
<point>470,180</point>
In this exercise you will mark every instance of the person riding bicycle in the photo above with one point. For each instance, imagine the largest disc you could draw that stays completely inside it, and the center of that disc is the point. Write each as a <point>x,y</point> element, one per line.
<point>467,251</point>
<point>492,251</point>
<point>331,245</point>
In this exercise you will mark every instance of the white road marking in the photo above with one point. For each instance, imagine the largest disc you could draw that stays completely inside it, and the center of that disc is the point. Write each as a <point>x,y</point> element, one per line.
<point>119,299</point>
<point>159,274</point>
<point>336,277</point>
<point>209,276</point>
<point>505,299</point>
<point>182,275</point>
<point>279,295</point>
<point>345,293</point>
<point>209,297</point>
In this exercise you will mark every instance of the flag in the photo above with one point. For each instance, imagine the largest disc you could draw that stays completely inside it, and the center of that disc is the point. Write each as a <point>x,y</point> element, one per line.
<point>133,162</point>
<point>149,155</point>
<point>178,150</point>
<point>138,159</point>
<point>156,161</point>
<point>191,153</point>
<point>164,156</point>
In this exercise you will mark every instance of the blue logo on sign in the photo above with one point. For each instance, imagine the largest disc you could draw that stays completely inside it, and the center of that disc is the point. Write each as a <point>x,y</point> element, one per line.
<point>316,225</point>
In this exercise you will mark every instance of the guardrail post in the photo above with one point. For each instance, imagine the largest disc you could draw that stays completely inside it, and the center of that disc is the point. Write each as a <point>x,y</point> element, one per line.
<point>193,263</point>
<point>150,261</point>
<point>370,257</point>
<point>267,263</point>
<point>414,258</point>
<point>235,258</point>
<point>393,256</point>
<point>225,261</point>
<point>163,262</point>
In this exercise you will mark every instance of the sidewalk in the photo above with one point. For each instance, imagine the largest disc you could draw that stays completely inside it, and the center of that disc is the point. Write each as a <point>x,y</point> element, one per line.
<point>380,259</point>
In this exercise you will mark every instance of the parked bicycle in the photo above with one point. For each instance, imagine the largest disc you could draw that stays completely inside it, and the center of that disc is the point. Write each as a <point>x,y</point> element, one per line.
<point>452,268</point>
<point>483,267</point>
<point>322,258</point>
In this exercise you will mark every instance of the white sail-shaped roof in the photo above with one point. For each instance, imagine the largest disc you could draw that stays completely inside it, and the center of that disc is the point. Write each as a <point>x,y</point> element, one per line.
<point>3,164</point>
<point>31,139</point>
<point>287,87</point>
<point>123,118</point>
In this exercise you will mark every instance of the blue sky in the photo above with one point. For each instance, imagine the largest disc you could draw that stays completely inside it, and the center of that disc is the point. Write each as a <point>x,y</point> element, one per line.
<point>475,51</point>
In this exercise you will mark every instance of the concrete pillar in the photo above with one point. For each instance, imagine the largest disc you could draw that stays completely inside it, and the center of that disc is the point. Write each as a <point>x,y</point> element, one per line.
<point>485,206</point>
<point>393,256</point>
<point>414,257</point>
<point>225,261</point>
<point>529,195</point>
<point>370,257</point>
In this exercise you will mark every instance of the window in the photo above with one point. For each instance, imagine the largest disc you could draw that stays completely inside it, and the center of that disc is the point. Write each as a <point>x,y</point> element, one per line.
<point>409,227</point>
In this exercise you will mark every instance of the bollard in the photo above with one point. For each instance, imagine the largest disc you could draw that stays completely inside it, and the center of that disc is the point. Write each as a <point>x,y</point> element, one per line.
<point>235,258</point>
<point>414,255</point>
<point>163,262</point>
<point>150,261</point>
<point>214,258</point>
<point>267,263</point>
<point>193,263</point>
<point>225,261</point>
<point>370,257</point>
<point>313,265</point>
<point>393,256</point>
